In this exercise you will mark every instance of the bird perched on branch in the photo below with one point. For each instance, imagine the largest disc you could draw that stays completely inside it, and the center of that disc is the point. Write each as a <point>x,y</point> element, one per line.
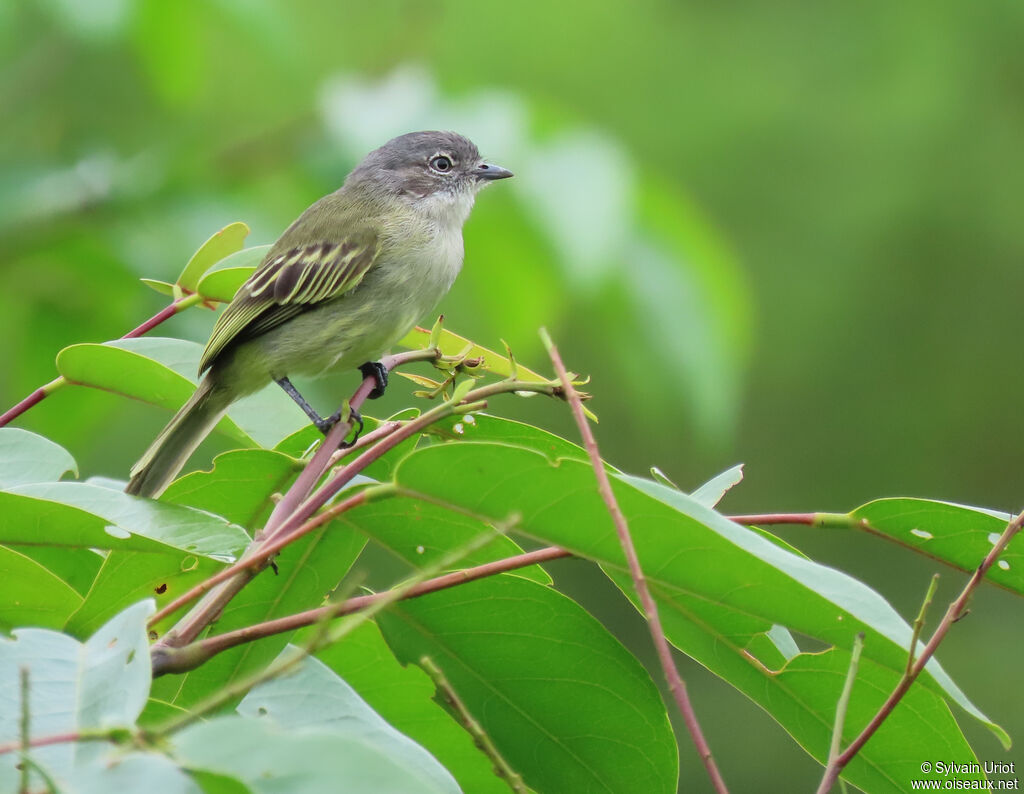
<point>344,283</point>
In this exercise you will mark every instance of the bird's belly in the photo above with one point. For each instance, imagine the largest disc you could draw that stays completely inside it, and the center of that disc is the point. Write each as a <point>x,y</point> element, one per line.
<point>360,325</point>
<point>357,327</point>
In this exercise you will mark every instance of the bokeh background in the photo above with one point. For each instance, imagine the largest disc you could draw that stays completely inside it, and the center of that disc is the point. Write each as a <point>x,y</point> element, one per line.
<point>787,234</point>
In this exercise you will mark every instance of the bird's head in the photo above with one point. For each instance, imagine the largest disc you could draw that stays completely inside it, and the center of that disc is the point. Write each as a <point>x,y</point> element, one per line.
<point>438,173</point>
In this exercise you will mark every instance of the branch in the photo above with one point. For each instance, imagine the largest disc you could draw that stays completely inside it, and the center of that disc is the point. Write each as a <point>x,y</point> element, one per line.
<point>480,738</point>
<point>953,613</point>
<point>43,392</point>
<point>256,562</point>
<point>919,622</point>
<point>326,637</point>
<point>181,660</point>
<point>841,707</point>
<point>186,630</point>
<point>111,735</point>
<point>281,527</point>
<point>322,459</point>
<point>675,682</point>
<point>830,520</point>
<point>23,786</point>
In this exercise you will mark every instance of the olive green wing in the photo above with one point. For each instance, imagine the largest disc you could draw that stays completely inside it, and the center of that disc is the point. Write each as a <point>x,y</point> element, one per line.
<point>289,283</point>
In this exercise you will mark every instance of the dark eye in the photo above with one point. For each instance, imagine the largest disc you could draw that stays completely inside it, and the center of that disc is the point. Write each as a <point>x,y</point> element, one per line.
<point>441,163</point>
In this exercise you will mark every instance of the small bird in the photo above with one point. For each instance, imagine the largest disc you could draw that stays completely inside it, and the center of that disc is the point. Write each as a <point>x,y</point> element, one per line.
<point>344,283</point>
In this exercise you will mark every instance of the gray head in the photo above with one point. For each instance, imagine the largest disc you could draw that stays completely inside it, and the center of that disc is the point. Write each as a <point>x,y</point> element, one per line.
<point>438,172</point>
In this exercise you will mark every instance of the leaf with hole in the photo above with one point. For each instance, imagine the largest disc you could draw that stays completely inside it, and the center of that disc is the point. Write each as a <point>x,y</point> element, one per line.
<point>955,534</point>
<point>719,585</point>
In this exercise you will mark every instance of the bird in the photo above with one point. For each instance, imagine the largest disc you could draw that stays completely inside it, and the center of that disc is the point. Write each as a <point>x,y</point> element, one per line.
<point>342,284</point>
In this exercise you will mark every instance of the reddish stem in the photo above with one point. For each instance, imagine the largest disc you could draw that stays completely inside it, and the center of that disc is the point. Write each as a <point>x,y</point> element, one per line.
<point>257,559</point>
<point>161,316</point>
<point>43,741</point>
<point>34,398</point>
<point>765,519</point>
<point>180,660</point>
<point>675,681</point>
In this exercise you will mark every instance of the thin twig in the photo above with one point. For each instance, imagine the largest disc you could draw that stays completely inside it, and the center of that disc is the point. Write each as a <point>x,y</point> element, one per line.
<point>919,622</point>
<point>113,734</point>
<point>26,732</point>
<point>366,440</point>
<point>830,520</point>
<point>480,738</point>
<point>675,681</point>
<point>188,657</point>
<point>953,613</point>
<point>842,705</point>
<point>33,399</point>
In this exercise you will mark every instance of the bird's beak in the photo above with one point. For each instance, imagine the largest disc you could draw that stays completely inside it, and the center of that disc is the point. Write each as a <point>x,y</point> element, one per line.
<point>490,171</point>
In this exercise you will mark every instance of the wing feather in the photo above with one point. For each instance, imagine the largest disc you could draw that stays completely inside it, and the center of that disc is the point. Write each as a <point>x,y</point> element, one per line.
<point>289,283</point>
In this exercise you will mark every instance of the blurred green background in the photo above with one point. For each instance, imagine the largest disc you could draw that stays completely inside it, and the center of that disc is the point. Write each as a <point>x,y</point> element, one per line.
<point>787,234</point>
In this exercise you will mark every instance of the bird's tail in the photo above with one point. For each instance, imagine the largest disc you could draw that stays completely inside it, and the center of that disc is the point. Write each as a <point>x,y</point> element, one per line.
<point>169,452</point>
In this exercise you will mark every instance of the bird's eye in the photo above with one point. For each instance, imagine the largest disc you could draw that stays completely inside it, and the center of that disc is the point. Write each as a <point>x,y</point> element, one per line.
<point>441,163</point>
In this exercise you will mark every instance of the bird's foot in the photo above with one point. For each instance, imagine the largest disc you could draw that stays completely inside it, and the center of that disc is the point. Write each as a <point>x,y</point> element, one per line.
<point>377,371</point>
<point>355,420</point>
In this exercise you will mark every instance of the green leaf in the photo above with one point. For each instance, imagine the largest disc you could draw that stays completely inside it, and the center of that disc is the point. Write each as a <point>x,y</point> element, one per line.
<point>73,687</point>
<point>75,569</point>
<point>718,584</point>
<point>712,492</point>
<point>154,549</point>
<point>157,712</point>
<point>485,427</point>
<point>300,443</point>
<point>227,241</point>
<point>112,769</point>
<point>955,534</point>
<point>274,760</point>
<point>128,576</point>
<point>159,286</point>
<point>421,533</point>
<point>313,696</point>
<point>238,487</point>
<point>22,517</point>
<point>568,707</point>
<point>162,371</point>
<point>26,457</point>
<point>33,595</point>
<point>212,783</point>
<point>451,344</point>
<point>221,282</point>
<point>137,371</point>
<point>126,517</point>
<point>920,727</point>
<point>404,696</point>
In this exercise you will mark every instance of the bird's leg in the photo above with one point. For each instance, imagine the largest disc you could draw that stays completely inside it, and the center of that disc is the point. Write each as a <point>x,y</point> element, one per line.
<point>300,401</point>
<point>323,425</point>
<point>377,371</point>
